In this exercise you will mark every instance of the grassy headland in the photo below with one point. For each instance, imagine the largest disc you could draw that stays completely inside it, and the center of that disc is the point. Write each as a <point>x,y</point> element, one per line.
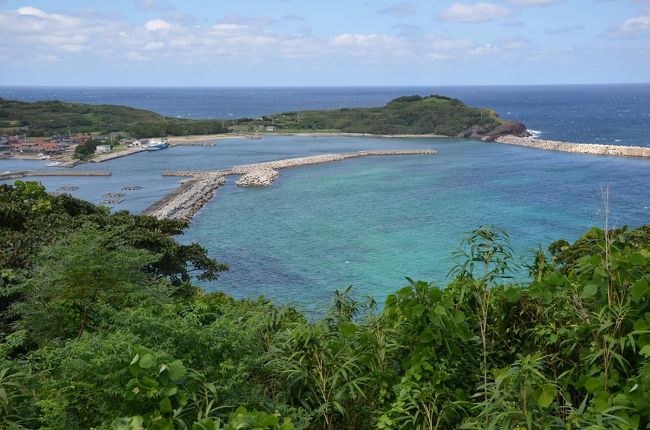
<point>414,115</point>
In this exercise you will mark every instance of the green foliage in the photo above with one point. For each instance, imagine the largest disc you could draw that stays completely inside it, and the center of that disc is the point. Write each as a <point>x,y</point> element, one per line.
<point>102,329</point>
<point>17,398</point>
<point>76,278</point>
<point>46,118</point>
<point>405,115</point>
<point>436,370</point>
<point>84,151</point>
<point>25,208</point>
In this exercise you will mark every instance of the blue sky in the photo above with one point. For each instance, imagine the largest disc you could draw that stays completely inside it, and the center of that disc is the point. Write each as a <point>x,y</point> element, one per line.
<point>320,43</point>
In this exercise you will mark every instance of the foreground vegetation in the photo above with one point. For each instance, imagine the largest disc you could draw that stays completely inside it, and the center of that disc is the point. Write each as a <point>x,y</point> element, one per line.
<point>101,328</point>
<point>405,115</point>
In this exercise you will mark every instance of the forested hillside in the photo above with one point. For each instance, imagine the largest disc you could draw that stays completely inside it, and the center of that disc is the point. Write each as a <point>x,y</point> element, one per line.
<point>405,115</point>
<point>434,114</point>
<point>47,118</point>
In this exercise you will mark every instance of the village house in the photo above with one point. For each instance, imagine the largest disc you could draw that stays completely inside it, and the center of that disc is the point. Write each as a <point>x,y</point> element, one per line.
<point>103,149</point>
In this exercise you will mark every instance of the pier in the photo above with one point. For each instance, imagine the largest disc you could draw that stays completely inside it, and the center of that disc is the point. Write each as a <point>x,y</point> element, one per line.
<point>40,173</point>
<point>200,186</point>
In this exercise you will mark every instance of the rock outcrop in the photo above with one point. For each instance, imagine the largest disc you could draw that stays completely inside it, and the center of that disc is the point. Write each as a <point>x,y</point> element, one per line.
<point>516,129</point>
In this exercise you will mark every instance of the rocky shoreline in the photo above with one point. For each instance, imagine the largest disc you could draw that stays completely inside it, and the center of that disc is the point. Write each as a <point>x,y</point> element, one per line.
<point>580,148</point>
<point>184,202</point>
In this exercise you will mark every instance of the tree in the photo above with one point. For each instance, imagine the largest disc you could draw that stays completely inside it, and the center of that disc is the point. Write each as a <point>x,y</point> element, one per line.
<point>78,278</point>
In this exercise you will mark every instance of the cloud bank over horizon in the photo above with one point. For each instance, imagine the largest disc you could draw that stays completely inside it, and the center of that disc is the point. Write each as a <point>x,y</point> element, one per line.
<point>284,42</point>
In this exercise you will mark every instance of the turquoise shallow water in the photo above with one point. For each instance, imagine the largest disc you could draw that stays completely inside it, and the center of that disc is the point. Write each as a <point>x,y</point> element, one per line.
<point>369,222</point>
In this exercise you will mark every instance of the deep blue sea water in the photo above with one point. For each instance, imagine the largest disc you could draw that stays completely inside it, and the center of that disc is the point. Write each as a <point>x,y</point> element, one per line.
<point>371,221</point>
<point>612,114</point>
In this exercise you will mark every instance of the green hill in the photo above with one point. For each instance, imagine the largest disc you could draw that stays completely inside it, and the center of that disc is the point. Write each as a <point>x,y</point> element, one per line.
<point>46,118</point>
<point>405,115</point>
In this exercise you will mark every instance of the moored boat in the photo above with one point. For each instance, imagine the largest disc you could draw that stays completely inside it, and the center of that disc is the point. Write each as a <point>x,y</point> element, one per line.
<point>157,144</point>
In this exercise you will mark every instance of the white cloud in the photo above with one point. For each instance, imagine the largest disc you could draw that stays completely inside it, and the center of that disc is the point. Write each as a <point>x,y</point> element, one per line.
<point>157,25</point>
<point>476,12</point>
<point>360,40</point>
<point>636,25</point>
<point>234,40</point>
<point>228,28</point>
<point>28,10</point>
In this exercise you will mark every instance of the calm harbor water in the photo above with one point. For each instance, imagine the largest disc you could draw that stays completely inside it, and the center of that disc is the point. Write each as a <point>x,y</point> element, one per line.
<point>369,222</point>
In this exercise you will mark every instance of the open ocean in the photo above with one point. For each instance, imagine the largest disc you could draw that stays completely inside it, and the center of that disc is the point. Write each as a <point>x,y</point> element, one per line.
<point>369,222</point>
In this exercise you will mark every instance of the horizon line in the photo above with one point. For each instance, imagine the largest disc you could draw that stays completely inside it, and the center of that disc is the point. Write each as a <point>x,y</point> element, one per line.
<point>321,86</point>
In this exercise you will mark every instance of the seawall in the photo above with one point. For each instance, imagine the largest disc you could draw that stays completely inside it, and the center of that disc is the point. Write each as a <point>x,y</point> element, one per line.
<point>190,197</point>
<point>119,154</point>
<point>580,148</point>
<point>36,173</point>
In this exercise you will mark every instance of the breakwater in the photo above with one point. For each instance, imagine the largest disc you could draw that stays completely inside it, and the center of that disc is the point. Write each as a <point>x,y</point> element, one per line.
<point>580,148</point>
<point>36,173</point>
<point>186,200</point>
<point>195,192</point>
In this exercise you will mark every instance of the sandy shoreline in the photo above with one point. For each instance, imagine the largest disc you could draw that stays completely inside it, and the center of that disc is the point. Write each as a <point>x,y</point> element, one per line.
<point>180,140</point>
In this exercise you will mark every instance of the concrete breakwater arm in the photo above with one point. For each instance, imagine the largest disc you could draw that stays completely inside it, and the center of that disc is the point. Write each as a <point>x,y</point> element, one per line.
<point>580,148</point>
<point>323,158</point>
<point>185,201</point>
<point>36,173</point>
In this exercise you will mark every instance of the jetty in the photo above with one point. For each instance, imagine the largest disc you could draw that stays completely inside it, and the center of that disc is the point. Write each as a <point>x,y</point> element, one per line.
<point>199,187</point>
<point>41,173</point>
<point>580,148</point>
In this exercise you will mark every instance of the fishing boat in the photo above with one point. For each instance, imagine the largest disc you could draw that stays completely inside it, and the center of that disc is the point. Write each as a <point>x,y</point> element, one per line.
<point>157,144</point>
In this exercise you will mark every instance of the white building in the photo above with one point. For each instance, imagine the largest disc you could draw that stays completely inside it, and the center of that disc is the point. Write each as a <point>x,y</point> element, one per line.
<point>103,149</point>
